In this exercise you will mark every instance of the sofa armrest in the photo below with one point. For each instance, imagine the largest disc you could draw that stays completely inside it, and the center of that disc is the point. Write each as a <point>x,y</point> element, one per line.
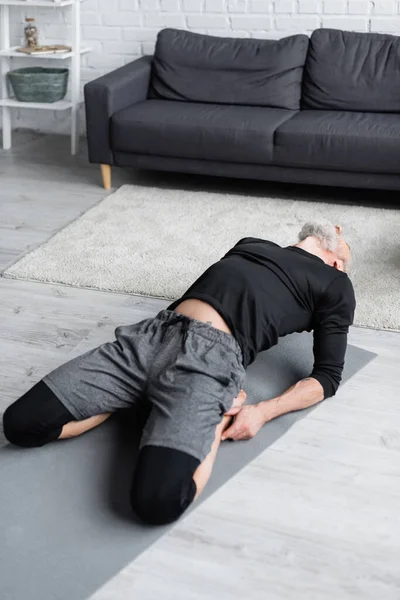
<point>106,96</point>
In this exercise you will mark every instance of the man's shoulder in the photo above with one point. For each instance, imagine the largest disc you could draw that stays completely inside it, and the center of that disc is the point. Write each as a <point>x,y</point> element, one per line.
<point>340,292</point>
<point>340,283</point>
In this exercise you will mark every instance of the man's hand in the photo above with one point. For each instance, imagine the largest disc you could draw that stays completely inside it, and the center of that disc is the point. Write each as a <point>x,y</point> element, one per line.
<point>246,425</point>
<point>250,419</point>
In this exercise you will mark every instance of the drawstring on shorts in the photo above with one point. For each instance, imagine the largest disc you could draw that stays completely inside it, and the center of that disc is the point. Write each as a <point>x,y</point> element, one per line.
<point>177,318</point>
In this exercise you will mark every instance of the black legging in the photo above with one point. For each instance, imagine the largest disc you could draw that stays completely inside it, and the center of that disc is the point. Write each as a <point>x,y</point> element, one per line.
<point>162,486</point>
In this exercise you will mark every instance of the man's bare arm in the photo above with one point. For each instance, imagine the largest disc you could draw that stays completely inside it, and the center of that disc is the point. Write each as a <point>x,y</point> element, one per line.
<point>303,394</point>
<point>251,418</point>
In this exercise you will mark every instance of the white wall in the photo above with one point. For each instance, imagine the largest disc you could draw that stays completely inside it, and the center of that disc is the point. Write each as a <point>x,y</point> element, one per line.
<point>121,30</point>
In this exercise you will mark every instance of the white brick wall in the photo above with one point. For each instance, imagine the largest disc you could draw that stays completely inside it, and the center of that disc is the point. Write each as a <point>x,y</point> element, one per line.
<point>121,30</point>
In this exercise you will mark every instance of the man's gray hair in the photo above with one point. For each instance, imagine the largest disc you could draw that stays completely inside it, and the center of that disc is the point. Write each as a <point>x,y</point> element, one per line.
<point>325,233</point>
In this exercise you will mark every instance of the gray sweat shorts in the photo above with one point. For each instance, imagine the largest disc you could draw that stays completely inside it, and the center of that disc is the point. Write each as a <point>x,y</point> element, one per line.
<point>189,371</point>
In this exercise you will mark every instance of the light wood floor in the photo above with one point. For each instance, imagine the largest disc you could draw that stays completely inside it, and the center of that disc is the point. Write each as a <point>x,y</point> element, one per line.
<point>314,517</point>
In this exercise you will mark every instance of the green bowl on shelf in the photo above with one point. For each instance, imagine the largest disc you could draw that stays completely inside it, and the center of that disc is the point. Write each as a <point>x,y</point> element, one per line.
<point>39,84</point>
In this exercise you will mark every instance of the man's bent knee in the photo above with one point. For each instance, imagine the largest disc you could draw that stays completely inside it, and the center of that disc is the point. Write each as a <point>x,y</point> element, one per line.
<point>156,509</point>
<point>163,486</point>
<point>18,430</point>
<point>35,419</point>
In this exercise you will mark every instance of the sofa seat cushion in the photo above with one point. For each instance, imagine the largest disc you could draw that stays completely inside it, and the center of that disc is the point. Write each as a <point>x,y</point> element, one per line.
<point>203,68</point>
<point>190,130</point>
<point>346,141</point>
<point>347,70</point>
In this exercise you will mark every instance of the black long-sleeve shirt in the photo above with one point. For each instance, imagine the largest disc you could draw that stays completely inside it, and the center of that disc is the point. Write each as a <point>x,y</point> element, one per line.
<point>264,292</point>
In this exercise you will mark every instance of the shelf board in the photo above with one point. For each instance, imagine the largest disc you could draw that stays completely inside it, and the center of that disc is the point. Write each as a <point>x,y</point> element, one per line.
<point>12,53</point>
<point>28,3</point>
<point>60,105</point>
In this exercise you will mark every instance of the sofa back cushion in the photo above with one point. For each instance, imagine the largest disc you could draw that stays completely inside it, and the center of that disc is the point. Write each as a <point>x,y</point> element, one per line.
<point>202,68</point>
<point>352,71</point>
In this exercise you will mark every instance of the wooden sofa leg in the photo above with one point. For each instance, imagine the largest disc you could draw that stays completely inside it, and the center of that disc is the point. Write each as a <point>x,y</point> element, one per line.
<point>106,176</point>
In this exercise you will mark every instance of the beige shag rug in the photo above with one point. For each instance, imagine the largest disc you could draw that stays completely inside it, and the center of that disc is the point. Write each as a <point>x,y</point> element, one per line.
<point>155,242</point>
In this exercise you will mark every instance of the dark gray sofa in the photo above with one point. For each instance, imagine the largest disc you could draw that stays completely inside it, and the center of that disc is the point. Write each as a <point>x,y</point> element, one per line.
<point>322,110</point>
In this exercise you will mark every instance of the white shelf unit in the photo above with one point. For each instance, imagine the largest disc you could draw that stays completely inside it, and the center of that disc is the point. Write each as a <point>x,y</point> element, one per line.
<point>7,53</point>
<point>13,53</point>
<point>60,105</point>
<point>25,3</point>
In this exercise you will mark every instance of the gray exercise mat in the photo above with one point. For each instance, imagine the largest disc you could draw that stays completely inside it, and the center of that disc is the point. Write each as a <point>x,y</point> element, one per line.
<point>65,523</point>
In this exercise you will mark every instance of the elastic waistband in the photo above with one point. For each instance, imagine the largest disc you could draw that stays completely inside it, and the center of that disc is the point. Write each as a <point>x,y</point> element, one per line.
<point>170,318</point>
